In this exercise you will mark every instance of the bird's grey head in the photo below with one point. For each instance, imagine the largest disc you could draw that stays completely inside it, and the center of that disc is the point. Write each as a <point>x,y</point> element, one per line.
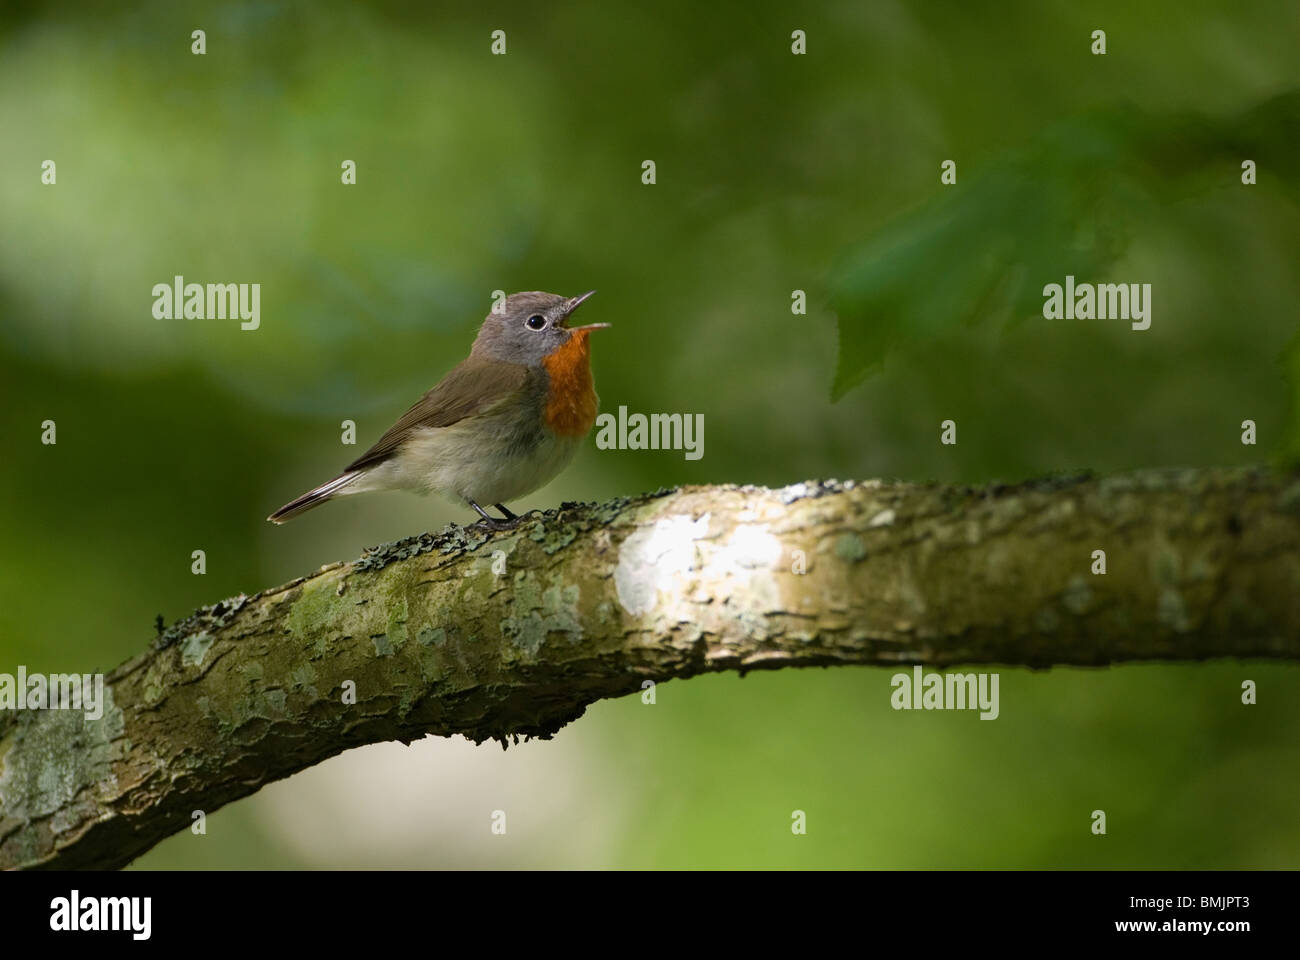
<point>525,327</point>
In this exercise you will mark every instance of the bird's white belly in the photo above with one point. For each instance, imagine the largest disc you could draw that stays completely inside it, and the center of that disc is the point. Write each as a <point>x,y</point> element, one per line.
<point>487,463</point>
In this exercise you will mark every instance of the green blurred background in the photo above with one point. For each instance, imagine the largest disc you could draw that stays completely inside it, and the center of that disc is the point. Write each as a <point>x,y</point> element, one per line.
<point>775,172</point>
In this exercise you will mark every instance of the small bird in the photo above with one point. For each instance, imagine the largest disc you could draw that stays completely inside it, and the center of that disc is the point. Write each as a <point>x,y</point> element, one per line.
<point>506,420</point>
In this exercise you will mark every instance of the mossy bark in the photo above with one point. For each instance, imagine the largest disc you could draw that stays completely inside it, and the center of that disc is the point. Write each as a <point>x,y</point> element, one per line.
<point>506,634</point>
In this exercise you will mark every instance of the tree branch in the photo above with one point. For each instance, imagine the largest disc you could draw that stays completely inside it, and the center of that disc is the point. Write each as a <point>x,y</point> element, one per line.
<point>507,634</point>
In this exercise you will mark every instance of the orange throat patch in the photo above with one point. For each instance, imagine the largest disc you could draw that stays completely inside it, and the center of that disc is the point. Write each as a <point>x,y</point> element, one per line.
<point>571,398</point>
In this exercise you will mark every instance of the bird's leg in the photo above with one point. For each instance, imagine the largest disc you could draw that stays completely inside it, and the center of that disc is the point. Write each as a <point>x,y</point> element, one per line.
<point>490,520</point>
<point>494,522</point>
<point>505,511</point>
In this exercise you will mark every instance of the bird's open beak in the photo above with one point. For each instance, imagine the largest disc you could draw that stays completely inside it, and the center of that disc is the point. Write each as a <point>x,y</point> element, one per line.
<point>573,304</point>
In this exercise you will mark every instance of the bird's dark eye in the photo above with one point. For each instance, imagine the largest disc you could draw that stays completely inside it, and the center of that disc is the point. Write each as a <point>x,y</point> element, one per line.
<point>536,322</point>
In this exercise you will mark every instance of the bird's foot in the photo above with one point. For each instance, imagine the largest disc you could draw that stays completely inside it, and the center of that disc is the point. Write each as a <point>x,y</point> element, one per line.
<point>508,522</point>
<point>497,523</point>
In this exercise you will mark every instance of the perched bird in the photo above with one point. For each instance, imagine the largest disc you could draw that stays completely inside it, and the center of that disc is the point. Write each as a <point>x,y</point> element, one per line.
<point>502,423</point>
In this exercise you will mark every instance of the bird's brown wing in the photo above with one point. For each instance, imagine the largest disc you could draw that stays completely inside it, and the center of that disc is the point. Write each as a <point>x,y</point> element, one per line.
<point>472,387</point>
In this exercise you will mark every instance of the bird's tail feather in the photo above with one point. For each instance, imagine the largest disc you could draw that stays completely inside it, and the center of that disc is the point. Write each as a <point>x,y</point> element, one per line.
<point>313,498</point>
